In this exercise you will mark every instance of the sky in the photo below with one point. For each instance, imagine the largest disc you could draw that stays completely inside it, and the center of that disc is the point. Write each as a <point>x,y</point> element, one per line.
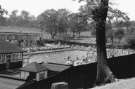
<point>36,7</point>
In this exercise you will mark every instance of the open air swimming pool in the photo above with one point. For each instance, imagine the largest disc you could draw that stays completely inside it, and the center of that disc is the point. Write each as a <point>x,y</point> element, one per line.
<point>61,56</point>
<point>58,57</point>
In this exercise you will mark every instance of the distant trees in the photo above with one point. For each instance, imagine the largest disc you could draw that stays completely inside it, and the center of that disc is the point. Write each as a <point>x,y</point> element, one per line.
<point>23,20</point>
<point>73,22</point>
<point>62,21</point>
<point>3,21</point>
<point>2,11</point>
<point>13,18</point>
<point>2,18</point>
<point>117,20</point>
<point>114,17</point>
<point>51,21</point>
<point>78,23</point>
<point>54,22</point>
<point>130,37</point>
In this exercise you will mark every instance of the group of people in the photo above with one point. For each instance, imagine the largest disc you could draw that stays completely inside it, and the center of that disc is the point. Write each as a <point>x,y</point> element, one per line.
<point>119,52</point>
<point>77,61</point>
<point>91,56</point>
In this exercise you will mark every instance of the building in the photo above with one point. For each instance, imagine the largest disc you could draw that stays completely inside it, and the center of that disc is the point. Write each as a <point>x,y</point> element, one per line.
<point>11,56</point>
<point>22,36</point>
<point>39,71</point>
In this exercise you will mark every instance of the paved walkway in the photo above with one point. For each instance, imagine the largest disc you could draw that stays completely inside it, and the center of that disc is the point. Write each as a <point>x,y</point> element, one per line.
<point>122,84</point>
<point>6,83</point>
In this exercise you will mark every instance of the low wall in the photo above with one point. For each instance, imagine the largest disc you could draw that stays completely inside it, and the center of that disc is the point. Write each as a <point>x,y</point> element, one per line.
<point>123,66</point>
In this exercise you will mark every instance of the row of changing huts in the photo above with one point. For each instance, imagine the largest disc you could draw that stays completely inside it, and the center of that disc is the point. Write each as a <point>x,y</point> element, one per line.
<point>11,56</point>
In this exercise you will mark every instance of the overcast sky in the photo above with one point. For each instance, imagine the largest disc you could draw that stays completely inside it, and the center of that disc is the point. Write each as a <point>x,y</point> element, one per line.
<point>35,7</point>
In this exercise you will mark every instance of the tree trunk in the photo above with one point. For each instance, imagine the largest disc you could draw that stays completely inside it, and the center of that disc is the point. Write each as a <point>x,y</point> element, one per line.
<point>104,73</point>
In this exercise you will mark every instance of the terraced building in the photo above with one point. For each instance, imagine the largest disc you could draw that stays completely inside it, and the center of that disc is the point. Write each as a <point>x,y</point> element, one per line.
<point>22,36</point>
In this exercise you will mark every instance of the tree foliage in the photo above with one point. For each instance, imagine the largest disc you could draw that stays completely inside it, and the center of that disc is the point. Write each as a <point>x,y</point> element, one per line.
<point>2,18</point>
<point>23,20</point>
<point>77,23</point>
<point>63,22</point>
<point>48,22</point>
<point>2,11</point>
<point>54,22</point>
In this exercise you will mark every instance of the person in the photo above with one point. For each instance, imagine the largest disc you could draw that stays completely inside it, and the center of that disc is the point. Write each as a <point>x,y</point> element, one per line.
<point>68,57</point>
<point>85,59</point>
<point>68,60</point>
<point>77,58</point>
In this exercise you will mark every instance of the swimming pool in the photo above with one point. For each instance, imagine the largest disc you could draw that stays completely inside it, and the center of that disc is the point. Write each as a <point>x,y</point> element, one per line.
<point>61,56</point>
<point>57,57</point>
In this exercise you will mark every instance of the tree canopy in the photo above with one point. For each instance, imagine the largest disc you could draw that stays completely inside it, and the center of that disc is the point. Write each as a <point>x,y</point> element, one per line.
<point>53,21</point>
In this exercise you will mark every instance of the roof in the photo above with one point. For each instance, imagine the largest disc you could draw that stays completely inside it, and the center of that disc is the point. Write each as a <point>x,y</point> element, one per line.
<point>19,29</point>
<point>7,47</point>
<point>56,67</point>
<point>33,67</point>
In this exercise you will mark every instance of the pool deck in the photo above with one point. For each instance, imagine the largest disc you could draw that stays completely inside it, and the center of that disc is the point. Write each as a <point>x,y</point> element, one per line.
<point>54,50</point>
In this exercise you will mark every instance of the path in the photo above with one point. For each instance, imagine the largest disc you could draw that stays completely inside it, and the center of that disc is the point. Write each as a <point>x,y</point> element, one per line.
<point>122,84</point>
<point>6,83</point>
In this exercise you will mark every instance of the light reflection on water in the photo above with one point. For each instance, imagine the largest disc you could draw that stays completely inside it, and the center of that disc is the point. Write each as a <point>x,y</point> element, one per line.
<point>57,57</point>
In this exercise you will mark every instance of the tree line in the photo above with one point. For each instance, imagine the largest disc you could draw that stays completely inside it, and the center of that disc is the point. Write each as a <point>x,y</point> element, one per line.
<point>62,21</point>
<point>51,21</point>
<point>24,19</point>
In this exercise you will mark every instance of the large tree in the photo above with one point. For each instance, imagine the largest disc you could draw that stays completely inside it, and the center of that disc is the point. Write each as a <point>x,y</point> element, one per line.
<point>48,22</point>
<point>54,22</point>
<point>25,19</point>
<point>62,20</point>
<point>104,73</point>
<point>98,9</point>
<point>77,23</point>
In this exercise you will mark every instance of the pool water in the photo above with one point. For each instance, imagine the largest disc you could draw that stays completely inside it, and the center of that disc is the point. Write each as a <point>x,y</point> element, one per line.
<point>62,56</point>
<point>58,57</point>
